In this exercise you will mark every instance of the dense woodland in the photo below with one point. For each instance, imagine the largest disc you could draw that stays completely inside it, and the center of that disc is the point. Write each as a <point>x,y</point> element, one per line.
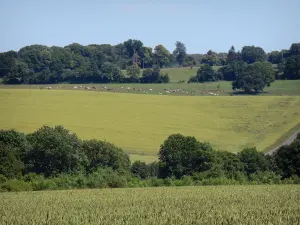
<point>75,63</point>
<point>55,158</point>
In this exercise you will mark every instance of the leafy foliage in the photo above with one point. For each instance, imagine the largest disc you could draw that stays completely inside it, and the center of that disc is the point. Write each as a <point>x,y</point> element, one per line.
<point>255,77</point>
<point>180,155</point>
<point>104,154</point>
<point>55,150</point>
<point>252,54</point>
<point>205,73</point>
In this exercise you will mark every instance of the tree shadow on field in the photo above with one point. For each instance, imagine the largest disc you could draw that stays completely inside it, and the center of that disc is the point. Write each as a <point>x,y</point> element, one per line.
<point>247,93</point>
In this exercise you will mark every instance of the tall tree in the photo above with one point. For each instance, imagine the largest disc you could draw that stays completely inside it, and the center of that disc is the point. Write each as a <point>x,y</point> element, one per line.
<point>180,52</point>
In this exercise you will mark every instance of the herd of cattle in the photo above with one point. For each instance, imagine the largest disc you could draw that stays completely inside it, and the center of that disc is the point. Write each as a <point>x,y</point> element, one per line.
<point>132,89</point>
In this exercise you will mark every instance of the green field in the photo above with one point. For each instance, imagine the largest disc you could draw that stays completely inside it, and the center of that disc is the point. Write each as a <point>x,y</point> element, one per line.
<point>173,205</point>
<point>140,123</point>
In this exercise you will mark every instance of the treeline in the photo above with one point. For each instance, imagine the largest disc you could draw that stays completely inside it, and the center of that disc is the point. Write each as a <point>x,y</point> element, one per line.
<point>55,158</point>
<point>251,70</point>
<point>75,63</point>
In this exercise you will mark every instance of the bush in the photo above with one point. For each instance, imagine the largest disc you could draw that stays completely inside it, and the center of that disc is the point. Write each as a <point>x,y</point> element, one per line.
<point>266,177</point>
<point>16,185</point>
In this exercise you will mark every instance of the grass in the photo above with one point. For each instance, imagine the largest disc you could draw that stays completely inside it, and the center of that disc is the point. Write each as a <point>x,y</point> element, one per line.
<point>173,205</point>
<point>140,123</point>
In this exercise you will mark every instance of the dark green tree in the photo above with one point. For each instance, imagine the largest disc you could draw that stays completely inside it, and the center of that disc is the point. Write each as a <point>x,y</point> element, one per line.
<point>205,73</point>
<point>11,165</point>
<point>275,57</point>
<point>252,54</point>
<point>183,155</point>
<point>287,159</point>
<point>105,154</point>
<point>292,68</point>
<point>255,77</point>
<point>295,49</point>
<point>231,70</point>
<point>55,150</point>
<point>254,161</point>
<point>140,169</point>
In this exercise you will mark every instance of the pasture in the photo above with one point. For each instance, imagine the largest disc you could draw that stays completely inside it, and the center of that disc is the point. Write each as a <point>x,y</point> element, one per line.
<point>221,88</point>
<point>172,205</point>
<point>140,123</point>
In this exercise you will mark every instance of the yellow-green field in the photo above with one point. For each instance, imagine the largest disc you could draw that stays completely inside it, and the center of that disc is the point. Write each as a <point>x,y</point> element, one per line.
<point>140,123</point>
<point>181,205</point>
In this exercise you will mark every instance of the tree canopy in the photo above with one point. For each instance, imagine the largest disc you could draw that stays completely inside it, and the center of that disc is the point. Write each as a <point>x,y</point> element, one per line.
<point>255,77</point>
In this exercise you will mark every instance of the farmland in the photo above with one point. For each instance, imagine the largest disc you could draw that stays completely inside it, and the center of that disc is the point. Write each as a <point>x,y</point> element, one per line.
<point>140,123</point>
<point>181,205</point>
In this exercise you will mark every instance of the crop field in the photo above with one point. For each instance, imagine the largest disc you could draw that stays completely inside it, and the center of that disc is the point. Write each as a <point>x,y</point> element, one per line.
<point>140,123</point>
<point>278,204</point>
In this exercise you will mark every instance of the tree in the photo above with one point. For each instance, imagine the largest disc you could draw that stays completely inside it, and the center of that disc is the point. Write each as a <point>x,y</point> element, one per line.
<point>133,50</point>
<point>11,165</point>
<point>231,56</point>
<point>255,77</point>
<point>252,54</point>
<point>183,155</point>
<point>232,70</point>
<point>292,68</point>
<point>161,56</point>
<point>180,52</point>
<point>287,159</point>
<point>230,163</point>
<point>190,61</point>
<point>205,73</point>
<point>54,150</point>
<point>275,57</point>
<point>295,49</point>
<point>211,58</point>
<point>7,62</point>
<point>140,169</point>
<point>147,57</point>
<point>133,71</point>
<point>254,161</point>
<point>104,154</point>
<point>111,72</point>
<point>17,141</point>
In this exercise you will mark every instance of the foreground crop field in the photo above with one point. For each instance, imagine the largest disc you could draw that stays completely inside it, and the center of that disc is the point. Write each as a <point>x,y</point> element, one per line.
<point>140,123</point>
<point>181,205</point>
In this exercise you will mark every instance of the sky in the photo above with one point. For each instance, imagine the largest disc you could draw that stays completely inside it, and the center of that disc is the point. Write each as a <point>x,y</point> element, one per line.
<point>200,25</point>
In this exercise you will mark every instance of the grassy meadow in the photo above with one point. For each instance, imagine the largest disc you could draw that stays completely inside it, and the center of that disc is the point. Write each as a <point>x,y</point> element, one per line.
<point>140,123</point>
<point>172,205</point>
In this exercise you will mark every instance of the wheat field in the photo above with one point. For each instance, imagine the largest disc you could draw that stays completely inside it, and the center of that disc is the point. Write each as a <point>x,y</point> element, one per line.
<point>169,205</point>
